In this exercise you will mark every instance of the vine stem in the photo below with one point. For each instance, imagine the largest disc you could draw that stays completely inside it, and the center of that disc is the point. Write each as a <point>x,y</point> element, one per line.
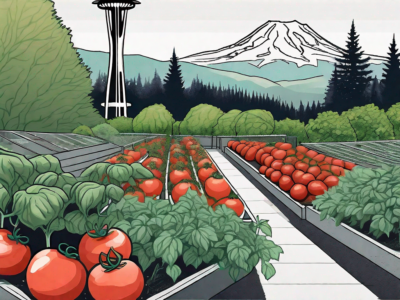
<point>1,220</point>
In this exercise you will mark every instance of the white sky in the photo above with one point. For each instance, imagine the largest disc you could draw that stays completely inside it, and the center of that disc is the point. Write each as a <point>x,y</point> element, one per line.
<point>156,26</point>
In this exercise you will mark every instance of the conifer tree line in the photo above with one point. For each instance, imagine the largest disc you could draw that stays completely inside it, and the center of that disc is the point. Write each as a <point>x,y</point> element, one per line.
<point>351,84</point>
<point>171,92</point>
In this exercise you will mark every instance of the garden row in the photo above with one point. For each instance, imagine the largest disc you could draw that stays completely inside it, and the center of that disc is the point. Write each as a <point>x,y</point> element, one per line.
<point>360,208</point>
<point>151,245</point>
<point>352,125</point>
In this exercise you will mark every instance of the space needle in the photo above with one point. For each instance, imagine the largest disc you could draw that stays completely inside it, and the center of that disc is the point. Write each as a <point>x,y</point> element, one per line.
<point>116,16</point>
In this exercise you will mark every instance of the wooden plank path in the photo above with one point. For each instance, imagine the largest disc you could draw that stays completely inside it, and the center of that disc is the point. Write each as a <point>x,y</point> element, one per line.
<point>304,270</point>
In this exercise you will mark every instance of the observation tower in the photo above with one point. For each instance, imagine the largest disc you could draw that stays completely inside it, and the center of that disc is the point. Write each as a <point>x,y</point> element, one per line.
<point>116,16</point>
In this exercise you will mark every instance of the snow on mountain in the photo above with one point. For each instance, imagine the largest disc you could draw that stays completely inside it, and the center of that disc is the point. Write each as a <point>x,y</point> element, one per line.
<point>275,40</point>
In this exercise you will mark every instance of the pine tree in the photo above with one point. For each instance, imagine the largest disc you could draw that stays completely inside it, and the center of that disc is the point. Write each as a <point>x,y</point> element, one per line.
<point>352,74</point>
<point>156,85</point>
<point>391,77</point>
<point>376,93</point>
<point>174,90</point>
<point>331,95</point>
<point>301,112</point>
<point>308,115</point>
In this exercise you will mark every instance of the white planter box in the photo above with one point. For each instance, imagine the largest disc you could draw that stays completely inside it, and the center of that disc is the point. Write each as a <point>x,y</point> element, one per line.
<point>382,256</point>
<point>285,198</point>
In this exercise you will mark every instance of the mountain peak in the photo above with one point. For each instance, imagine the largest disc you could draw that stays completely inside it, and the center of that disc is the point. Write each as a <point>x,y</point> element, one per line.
<point>290,41</point>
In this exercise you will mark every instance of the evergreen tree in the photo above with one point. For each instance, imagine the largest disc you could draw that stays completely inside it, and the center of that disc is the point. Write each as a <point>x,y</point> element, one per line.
<point>174,90</point>
<point>300,114</point>
<point>331,95</point>
<point>156,85</point>
<point>308,114</point>
<point>391,77</point>
<point>376,93</point>
<point>352,74</point>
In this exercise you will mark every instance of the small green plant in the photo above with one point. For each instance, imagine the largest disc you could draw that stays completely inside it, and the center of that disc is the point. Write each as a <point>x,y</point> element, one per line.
<point>83,130</point>
<point>105,131</point>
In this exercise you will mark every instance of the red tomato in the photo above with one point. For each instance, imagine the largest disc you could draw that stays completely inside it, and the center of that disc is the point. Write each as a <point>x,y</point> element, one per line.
<point>121,282</point>
<point>177,176</point>
<point>301,166</point>
<point>338,162</point>
<point>306,160</point>
<point>188,145</point>
<point>338,171</point>
<point>210,201</point>
<point>307,178</point>
<point>258,155</point>
<point>204,161</point>
<point>297,175</point>
<point>290,160</point>
<point>280,154</point>
<point>299,155</point>
<point>311,153</point>
<point>308,200</point>
<point>156,160</point>
<point>234,145</point>
<point>268,161</point>
<point>126,151</point>
<point>277,145</point>
<point>240,148</point>
<point>298,192</point>
<point>328,159</point>
<point>204,174</point>
<point>290,152</point>
<point>124,159</point>
<point>143,152</point>
<point>331,181</point>
<point>273,151</point>
<point>319,158</point>
<point>181,189</point>
<point>91,247</point>
<point>244,151</point>
<point>136,155</point>
<point>151,187</point>
<point>230,144</point>
<point>51,275</point>
<point>277,165</point>
<point>323,175</point>
<point>349,165</point>
<point>264,156</point>
<point>268,172</point>
<point>14,255</point>
<point>314,170</point>
<point>286,183</point>
<point>302,149</point>
<point>251,154</point>
<point>263,169</point>
<point>275,176</point>
<point>317,187</point>
<point>285,146</point>
<point>268,149</point>
<point>192,152</point>
<point>234,204</point>
<point>217,188</point>
<point>287,169</point>
<point>138,194</point>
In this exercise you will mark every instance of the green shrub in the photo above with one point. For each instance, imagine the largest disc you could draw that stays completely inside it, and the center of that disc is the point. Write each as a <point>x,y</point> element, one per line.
<point>105,131</point>
<point>154,119</point>
<point>254,122</point>
<point>175,130</point>
<point>226,123</point>
<point>394,117</point>
<point>370,123</point>
<point>122,124</point>
<point>365,195</point>
<point>83,130</point>
<point>44,85</point>
<point>292,128</point>
<point>200,120</point>
<point>330,127</point>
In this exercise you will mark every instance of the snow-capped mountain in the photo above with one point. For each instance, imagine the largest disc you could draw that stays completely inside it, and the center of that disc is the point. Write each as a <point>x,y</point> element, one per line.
<point>275,40</point>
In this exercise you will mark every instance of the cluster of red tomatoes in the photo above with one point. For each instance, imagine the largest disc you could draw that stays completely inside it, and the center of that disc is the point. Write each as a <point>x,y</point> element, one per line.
<point>129,157</point>
<point>103,264</point>
<point>301,172</point>
<point>217,190</point>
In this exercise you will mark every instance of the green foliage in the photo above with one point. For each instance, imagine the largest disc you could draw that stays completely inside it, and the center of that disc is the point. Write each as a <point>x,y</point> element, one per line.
<point>175,130</point>
<point>122,124</point>
<point>200,120</point>
<point>330,127</point>
<point>365,195</point>
<point>370,123</point>
<point>83,130</point>
<point>196,232</point>
<point>44,86</point>
<point>226,123</point>
<point>254,122</point>
<point>154,119</point>
<point>394,116</point>
<point>105,131</point>
<point>292,128</point>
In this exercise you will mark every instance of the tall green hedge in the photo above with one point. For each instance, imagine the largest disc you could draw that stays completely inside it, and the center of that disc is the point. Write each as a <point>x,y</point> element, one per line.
<point>226,123</point>
<point>394,117</point>
<point>154,119</point>
<point>330,127</point>
<point>44,86</point>
<point>254,122</point>
<point>292,128</point>
<point>105,131</point>
<point>122,124</point>
<point>370,123</point>
<point>175,129</point>
<point>200,120</point>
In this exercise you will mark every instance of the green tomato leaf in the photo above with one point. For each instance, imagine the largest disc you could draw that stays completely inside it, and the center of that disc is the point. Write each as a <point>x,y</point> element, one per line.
<point>174,272</point>
<point>267,270</point>
<point>75,222</point>
<point>265,228</point>
<point>238,253</point>
<point>119,173</point>
<point>123,225</point>
<point>140,231</point>
<point>234,273</point>
<point>46,163</point>
<point>114,192</point>
<point>57,225</point>
<point>191,257</point>
<point>96,173</point>
<point>88,195</point>
<point>4,198</point>
<point>145,254</point>
<point>140,172</point>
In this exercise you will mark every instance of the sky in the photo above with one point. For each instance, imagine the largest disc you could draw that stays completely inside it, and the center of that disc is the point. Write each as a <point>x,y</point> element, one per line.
<point>155,27</point>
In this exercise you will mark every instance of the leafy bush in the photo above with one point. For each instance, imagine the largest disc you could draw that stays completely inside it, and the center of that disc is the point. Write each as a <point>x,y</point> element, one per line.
<point>200,120</point>
<point>292,128</point>
<point>175,130</point>
<point>226,123</point>
<point>83,130</point>
<point>394,117</point>
<point>122,124</point>
<point>105,131</point>
<point>330,127</point>
<point>254,122</point>
<point>44,86</point>
<point>370,123</point>
<point>194,230</point>
<point>154,119</point>
<point>365,195</point>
